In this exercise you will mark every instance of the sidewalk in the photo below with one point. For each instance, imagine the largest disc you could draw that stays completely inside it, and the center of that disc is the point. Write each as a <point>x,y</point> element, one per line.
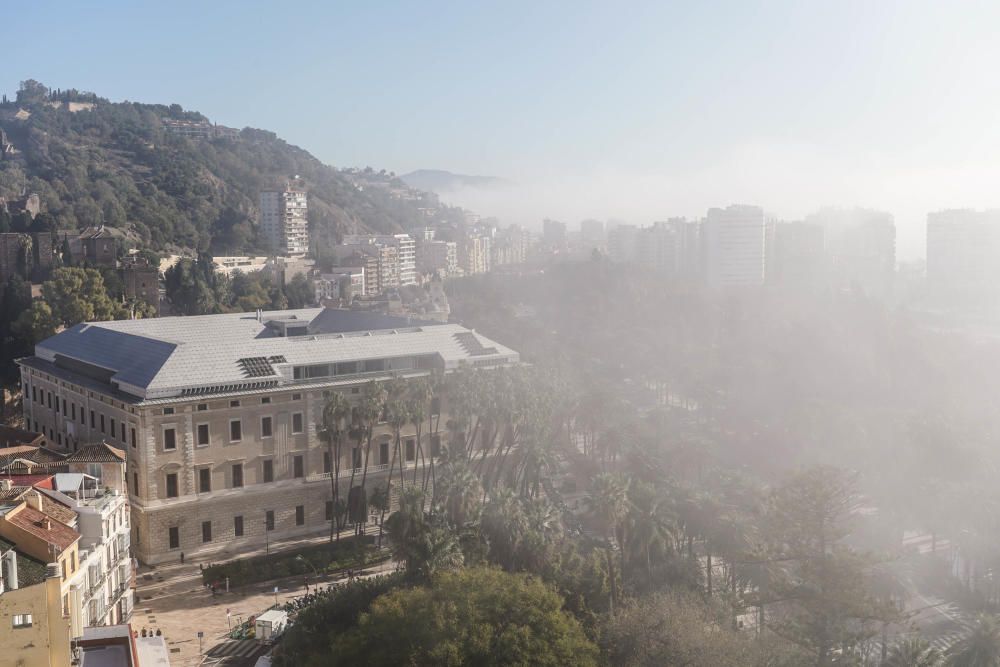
<point>173,599</point>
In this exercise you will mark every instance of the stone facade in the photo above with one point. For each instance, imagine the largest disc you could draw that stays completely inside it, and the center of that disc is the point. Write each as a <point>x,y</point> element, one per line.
<point>142,282</point>
<point>165,442</point>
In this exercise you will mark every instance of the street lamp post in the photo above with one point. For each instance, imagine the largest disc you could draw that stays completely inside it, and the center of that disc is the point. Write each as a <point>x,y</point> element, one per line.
<point>303,559</point>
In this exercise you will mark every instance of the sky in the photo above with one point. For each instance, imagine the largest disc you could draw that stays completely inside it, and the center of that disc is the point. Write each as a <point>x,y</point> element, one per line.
<point>636,111</point>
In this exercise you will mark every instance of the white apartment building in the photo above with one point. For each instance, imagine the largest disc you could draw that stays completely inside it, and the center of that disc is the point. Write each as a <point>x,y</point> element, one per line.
<point>283,219</point>
<point>406,253</point>
<point>474,254</point>
<point>733,246</point>
<point>103,583</point>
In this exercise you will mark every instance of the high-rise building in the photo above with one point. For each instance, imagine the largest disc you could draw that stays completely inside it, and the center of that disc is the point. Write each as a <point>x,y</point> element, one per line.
<point>283,219</point>
<point>554,234</point>
<point>405,248</point>
<point>623,243</point>
<point>963,250</point>
<point>860,248</point>
<point>474,253</point>
<point>795,254</point>
<point>509,246</point>
<point>437,257</point>
<point>733,246</point>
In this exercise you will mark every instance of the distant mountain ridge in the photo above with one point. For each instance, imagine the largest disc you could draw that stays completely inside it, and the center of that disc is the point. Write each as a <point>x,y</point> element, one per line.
<point>441,181</point>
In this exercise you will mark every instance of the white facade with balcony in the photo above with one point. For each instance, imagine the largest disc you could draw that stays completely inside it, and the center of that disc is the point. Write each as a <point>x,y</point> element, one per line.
<point>103,582</point>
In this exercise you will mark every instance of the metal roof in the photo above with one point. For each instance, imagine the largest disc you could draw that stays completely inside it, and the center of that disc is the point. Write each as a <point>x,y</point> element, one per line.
<point>161,357</point>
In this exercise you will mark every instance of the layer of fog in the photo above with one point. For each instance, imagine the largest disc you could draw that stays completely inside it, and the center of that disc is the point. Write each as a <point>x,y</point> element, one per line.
<point>787,180</point>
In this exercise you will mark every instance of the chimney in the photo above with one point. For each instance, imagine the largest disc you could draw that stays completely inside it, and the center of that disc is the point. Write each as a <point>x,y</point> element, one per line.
<point>34,499</point>
<point>9,564</point>
<point>47,523</point>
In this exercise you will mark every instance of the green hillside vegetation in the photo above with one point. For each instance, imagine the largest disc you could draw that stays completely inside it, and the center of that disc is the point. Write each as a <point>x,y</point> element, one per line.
<point>116,165</point>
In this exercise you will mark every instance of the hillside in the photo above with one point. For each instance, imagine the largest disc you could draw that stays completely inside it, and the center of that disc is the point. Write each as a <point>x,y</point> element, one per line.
<point>439,181</point>
<point>101,162</point>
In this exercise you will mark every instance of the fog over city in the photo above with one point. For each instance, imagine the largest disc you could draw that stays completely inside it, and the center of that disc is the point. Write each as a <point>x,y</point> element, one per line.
<point>594,334</point>
<point>789,181</point>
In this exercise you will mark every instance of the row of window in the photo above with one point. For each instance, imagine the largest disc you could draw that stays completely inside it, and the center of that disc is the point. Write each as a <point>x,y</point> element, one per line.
<point>235,403</point>
<point>203,436</point>
<point>174,532</point>
<point>298,467</point>
<point>69,411</point>
<point>205,476</point>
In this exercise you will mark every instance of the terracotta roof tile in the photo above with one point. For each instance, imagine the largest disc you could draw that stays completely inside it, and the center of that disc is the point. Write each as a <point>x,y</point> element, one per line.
<point>58,511</point>
<point>97,453</point>
<point>33,522</point>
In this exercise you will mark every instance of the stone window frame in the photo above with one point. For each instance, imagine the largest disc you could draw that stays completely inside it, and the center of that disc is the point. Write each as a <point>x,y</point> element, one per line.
<point>163,436</point>
<point>197,434</point>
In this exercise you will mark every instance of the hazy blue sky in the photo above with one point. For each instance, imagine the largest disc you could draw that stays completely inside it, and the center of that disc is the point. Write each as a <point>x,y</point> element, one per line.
<point>632,110</point>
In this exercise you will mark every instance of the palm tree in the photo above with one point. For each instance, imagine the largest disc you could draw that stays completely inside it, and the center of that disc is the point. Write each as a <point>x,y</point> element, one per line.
<point>408,521</point>
<point>915,652</point>
<point>372,404</point>
<point>397,416</point>
<point>460,494</point>
<point>608,503</point>
<point>437,549</point>
<point>335,413</point>
<point>980,649</point>
<point>504,524</point>
<point>651,525</point>
<point>416,407</point>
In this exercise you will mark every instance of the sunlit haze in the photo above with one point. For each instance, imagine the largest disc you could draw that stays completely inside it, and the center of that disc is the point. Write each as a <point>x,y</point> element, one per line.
<point>590,109</point>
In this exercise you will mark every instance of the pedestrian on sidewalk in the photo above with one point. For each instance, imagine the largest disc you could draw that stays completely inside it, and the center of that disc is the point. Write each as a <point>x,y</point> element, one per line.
<point>182,558</point>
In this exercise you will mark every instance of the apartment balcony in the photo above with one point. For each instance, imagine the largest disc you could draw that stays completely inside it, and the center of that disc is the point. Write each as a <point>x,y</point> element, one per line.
<point>117,593</point>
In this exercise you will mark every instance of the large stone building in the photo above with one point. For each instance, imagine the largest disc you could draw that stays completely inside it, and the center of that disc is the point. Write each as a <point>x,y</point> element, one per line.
<point>218,414</point>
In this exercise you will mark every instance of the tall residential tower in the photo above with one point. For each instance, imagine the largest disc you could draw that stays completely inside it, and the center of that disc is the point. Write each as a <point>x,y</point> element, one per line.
<point>283,220</point>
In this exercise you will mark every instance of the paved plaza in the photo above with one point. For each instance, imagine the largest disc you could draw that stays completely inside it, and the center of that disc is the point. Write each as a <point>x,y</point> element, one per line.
<point>172,599</point>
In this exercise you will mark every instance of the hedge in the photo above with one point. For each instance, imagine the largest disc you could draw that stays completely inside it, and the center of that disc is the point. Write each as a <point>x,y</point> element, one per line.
<point>352,551</point>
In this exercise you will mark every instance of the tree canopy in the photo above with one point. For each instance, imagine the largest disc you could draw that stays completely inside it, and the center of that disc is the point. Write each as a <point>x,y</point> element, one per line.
<point>477,616</point>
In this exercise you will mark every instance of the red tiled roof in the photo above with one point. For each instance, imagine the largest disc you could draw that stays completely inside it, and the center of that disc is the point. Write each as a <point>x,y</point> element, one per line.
<point>57,510</point>
<point>43,481</point>
<point>32,521</point>
<point>97,453</point>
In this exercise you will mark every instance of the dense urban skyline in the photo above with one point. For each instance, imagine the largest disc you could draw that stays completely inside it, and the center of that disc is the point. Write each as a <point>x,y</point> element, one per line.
<point>594,112</point>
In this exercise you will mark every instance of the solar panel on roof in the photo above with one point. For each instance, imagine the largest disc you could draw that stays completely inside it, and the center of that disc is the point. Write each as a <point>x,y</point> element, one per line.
<point>255,367</point>
<point>471,344</point>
